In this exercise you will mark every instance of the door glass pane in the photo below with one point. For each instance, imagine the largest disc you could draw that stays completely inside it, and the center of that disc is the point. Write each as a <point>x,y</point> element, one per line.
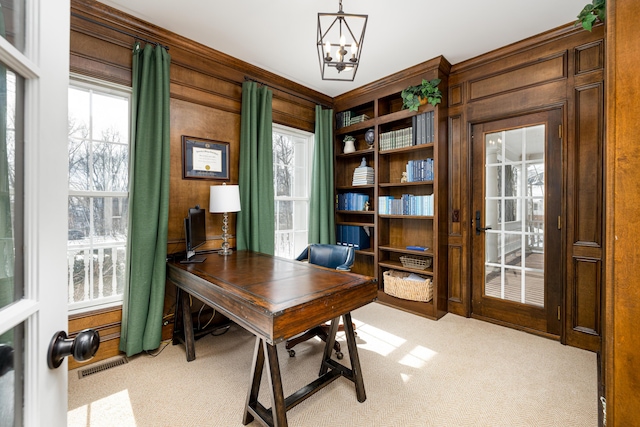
<point>11,150</point>
<point>514,209</point>
<point>12,22</point>
<point>11,376</point>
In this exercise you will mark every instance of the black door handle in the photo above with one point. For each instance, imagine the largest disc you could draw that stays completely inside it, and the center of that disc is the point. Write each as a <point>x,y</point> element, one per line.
<point>478,228</point>
<point>83,347</point>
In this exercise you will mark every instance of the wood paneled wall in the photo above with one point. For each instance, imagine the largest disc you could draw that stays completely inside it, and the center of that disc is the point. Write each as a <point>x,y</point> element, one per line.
<point>206,92</point>
<point>622,341</point>
<point>563,68</point>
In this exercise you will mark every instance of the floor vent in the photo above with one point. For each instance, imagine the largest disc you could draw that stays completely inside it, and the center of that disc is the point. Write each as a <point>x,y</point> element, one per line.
<point>102,367</point>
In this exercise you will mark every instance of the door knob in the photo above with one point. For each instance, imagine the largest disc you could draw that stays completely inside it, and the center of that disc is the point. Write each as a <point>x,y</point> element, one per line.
<point>83,347</point>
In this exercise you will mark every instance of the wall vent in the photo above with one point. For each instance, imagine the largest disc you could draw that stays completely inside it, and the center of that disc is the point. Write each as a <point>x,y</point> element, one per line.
<point>102,367</point>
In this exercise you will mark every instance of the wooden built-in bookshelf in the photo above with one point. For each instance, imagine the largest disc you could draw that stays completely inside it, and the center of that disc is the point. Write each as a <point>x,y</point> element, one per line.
<point>392,233</point>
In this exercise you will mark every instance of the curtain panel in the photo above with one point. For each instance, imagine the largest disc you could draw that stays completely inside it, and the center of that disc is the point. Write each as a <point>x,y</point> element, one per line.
<point>148,201</point>
<point>255,226</point>
<point>322,201</point>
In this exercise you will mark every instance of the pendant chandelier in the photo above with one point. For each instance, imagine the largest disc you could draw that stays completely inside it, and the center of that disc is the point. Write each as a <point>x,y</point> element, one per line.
<point>340,37</point>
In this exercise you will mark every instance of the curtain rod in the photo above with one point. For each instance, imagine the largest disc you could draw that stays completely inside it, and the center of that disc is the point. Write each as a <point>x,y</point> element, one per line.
<point>118,30</point>
<point>247,78</point>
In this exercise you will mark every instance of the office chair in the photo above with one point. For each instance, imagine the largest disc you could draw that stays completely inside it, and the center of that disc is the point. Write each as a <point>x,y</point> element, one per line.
<point>331,256</point>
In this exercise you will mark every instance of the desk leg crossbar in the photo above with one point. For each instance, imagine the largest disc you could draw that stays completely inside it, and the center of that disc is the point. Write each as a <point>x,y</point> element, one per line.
<point>330,370</point>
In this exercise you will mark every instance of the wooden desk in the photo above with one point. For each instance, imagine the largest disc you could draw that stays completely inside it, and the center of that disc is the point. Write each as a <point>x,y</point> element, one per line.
<point>275,299</point>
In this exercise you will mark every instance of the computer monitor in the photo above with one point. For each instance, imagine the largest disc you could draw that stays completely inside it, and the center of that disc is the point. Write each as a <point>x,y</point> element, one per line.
<point>195,233</point>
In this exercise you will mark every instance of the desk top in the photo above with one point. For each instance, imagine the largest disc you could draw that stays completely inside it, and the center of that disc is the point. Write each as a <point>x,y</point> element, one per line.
<point>274,298</point>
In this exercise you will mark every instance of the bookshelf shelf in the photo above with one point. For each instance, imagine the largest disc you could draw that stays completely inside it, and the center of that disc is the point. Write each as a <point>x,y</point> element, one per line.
<point>405,184</point>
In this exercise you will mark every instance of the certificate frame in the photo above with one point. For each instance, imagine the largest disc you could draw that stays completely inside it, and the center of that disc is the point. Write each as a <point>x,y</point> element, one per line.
<point>204,158</point>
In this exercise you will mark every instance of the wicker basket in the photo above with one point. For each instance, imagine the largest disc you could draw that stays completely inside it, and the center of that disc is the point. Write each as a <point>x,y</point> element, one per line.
<point>395,284</point>
<point>415,263</point>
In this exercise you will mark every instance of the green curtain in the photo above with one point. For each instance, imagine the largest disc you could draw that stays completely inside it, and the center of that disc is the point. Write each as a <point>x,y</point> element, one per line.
<point>321,206</point>
<point>148,201</point>
<point>255,226</point>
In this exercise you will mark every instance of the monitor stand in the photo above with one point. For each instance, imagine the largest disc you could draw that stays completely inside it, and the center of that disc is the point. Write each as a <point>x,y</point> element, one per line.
<point>193,259</point>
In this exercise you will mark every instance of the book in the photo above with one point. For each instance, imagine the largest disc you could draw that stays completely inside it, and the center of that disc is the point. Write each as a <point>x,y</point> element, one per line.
<point>353,235</point>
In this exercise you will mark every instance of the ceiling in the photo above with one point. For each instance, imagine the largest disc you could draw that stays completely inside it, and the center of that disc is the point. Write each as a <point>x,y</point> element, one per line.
<point>280,35</point>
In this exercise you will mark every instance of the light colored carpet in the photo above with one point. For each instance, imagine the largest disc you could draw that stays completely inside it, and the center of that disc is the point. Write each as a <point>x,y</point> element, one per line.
<point>417,372</point>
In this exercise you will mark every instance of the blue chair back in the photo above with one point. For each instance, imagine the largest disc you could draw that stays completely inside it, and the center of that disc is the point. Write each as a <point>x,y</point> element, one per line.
<point>330,256</point>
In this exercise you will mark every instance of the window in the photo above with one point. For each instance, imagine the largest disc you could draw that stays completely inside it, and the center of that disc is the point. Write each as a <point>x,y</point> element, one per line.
<point>98,193</point>
<point>292,154</point>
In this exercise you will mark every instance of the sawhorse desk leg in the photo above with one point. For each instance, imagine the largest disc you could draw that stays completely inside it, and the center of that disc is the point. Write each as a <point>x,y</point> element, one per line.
<point>330,370</point>
<point>277,416</point>
<point>183,324</point>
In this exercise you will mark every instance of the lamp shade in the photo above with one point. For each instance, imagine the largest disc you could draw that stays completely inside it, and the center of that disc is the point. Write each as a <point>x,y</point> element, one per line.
<point>224,198</point>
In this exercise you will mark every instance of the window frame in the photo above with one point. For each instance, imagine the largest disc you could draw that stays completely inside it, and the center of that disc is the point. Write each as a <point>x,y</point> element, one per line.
<point>309,139</point>
<point>104,88</point>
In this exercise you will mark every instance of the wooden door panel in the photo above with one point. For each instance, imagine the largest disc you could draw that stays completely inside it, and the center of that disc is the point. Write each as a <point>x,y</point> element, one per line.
<point>497,291</point>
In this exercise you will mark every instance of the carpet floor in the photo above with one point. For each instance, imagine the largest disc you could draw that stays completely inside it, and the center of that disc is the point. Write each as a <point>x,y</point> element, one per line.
<point>417,372</point>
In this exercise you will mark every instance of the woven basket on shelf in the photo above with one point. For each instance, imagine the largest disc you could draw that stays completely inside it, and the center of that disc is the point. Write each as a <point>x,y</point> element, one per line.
<point>415,263</point>
<point>395,284</point>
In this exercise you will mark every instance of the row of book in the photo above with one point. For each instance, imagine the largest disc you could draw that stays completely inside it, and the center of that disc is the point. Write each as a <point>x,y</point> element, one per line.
<point>353,235</point>
<point>420,170</point>
<point>421,131</point>
<point>352,201</point>
<point>396,139</point>
<point>408,204</point>
<point>346,118</point>
<point>424,128</point>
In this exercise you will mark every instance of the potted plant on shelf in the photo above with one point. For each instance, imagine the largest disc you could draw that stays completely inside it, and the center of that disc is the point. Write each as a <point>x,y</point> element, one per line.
<point>591,13</point>
<point>349,144</point>
<point>427,91</point>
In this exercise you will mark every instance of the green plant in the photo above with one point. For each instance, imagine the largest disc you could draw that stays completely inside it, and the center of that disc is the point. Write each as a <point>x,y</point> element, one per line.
<point>591,13</point>
<point>427,90</point>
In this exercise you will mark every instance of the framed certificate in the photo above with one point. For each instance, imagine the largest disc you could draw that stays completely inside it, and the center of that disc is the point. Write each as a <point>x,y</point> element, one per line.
<point>204,158</point>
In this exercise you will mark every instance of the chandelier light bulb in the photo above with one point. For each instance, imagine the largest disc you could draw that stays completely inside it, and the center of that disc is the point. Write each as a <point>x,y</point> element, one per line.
<point>342,41</point>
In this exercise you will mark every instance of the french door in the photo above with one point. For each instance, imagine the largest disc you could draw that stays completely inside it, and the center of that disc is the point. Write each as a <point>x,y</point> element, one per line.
<point>34,76</point>
<point>517,216</point>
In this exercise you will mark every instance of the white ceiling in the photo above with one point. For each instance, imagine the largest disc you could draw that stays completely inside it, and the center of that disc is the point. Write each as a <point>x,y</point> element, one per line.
<point>280,35</point>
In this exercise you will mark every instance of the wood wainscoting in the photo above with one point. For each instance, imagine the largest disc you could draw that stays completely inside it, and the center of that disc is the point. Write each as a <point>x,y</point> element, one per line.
<point>107,322</point>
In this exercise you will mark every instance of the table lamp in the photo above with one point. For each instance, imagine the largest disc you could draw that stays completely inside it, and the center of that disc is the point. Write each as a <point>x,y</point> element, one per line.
<point>224,199</point>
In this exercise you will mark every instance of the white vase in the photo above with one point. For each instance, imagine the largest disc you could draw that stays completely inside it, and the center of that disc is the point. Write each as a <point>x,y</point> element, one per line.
<point>349,147</point>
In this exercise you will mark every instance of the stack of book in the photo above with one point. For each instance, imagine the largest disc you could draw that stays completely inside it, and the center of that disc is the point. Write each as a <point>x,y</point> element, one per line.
<point>358,119</point>
<point>363,175</point>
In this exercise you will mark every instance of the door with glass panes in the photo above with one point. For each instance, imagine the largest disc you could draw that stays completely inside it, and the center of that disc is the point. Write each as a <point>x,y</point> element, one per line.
<point>34,71</point>
<point>516,217</point>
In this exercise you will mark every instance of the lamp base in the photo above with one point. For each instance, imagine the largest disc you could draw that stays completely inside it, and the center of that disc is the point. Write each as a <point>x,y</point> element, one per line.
<point>225,251</point>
